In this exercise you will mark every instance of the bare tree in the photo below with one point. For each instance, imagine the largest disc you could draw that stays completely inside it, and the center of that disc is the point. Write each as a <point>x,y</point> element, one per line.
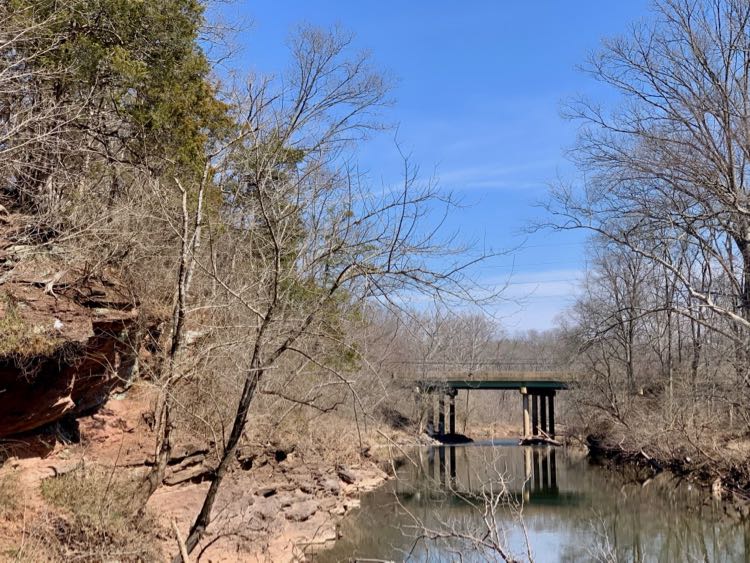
<point>665,187</point>
<point>303,241</point>
<point>666,172</point>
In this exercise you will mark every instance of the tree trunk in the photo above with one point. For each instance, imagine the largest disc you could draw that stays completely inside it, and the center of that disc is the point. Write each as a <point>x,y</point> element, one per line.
<point>204,517</point>
<point>741,353</point>
<point>162,451</point>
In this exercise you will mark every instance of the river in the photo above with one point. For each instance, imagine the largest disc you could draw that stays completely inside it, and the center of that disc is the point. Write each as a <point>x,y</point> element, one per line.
<point>553,503</point>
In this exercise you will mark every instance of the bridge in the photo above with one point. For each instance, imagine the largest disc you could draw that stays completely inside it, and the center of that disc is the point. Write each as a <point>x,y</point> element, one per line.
<point>538,383</point>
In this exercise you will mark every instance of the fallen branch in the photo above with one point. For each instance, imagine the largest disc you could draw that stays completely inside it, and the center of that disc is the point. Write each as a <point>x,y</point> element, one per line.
<point>180,543</point>
<point>541,438</point>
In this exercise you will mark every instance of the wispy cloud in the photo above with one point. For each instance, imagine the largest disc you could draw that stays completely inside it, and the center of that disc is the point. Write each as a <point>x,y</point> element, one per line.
<point>498,176</point>
<point>545,283</point>
<point>529,300</point>
<point>534,299</point>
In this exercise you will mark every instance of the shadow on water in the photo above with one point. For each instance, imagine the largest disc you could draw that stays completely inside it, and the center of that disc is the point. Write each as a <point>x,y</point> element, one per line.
<point>572,510</point>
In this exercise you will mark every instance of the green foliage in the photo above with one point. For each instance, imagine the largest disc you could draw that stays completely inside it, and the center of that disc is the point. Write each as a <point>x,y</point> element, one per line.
<point>143,58</point>
<point>337,314</point>
<point>341,315</point>
<point>267,191</point>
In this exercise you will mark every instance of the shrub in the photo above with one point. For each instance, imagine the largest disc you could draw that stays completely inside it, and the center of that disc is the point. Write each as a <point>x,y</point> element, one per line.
<point>98,522</point>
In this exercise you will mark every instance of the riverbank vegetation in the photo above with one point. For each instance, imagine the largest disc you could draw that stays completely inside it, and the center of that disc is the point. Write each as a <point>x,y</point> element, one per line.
<point>663,324</point>
<point>271,298</point>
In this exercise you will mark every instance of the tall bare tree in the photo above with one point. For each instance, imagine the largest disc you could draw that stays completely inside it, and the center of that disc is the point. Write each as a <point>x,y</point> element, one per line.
<point>299,242</point>
<point>667,171</point>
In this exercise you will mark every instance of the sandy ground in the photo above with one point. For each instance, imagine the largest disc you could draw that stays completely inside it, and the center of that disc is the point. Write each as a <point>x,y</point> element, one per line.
<point>273,511</point>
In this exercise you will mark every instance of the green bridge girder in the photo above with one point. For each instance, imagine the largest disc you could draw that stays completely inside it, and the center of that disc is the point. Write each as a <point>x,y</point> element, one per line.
<point>492,384</point>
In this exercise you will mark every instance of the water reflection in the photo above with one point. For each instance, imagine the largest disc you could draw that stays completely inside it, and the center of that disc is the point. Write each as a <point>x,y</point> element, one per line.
<point>572,510</point>
<point>450,470</point>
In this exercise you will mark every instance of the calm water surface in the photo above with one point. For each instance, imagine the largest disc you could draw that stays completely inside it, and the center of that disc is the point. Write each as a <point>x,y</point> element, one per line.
<point>572,510</point>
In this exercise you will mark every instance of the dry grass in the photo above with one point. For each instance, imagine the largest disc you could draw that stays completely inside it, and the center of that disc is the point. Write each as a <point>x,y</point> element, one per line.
<point>97,520</point>
<point>17,543</point>
<point>22,339</point>
<point>9,496</point>
<point>34,545</point>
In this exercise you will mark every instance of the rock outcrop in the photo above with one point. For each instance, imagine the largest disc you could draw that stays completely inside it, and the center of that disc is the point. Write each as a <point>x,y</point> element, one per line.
<point>64,345</point>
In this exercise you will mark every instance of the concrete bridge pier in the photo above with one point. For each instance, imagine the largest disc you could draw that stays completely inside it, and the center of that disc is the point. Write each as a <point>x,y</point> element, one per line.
<point>541,415</point>
<point>441,414</point>
<point>547,412</point>
<point>551,399</point>
<point>526,417</point>
<point>430,413</point>
<point>452,412</point>
<point>441,428</point>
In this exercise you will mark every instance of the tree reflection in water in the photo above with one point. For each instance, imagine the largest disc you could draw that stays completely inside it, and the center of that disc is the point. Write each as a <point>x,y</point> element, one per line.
<point>571,509</point>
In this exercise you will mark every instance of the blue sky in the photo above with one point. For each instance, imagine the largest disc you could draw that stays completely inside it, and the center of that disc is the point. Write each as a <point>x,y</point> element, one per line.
<point>478,91</point>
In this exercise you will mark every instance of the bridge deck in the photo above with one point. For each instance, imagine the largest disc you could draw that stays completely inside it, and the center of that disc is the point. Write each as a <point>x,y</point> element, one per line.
<point>546,380</point>
<point>489,384</point>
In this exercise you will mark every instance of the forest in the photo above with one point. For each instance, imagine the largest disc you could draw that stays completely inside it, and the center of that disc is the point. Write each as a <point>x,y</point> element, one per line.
<point>201,287</point>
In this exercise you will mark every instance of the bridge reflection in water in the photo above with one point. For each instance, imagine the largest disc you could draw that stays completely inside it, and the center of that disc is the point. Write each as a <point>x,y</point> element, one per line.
<point>571,509</point>
<point>440,469</point>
